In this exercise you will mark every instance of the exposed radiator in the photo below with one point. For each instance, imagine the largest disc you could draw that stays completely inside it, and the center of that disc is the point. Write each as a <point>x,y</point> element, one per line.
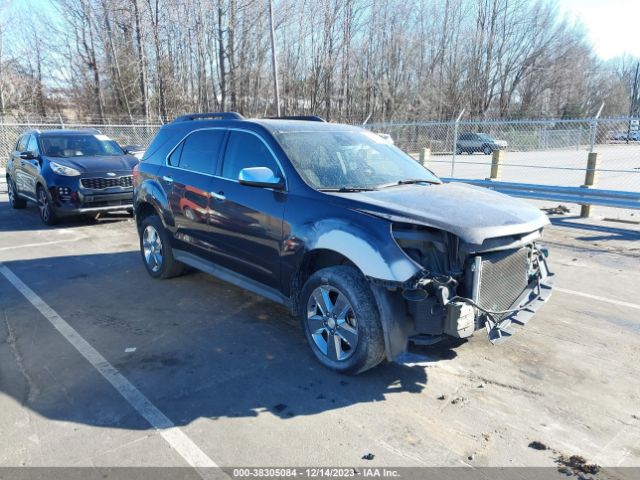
<point>502,278</point>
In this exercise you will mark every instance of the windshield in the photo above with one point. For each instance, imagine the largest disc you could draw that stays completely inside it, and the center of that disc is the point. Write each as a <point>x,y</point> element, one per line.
<point>66,146</point>
<point>484,136</point>
<point>350,160</point>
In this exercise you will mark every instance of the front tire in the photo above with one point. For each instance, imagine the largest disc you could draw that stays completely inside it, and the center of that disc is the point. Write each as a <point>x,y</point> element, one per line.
<point>487,150</point>
<point>45,207</point>
<point>341,321</point>
<point>156,251</point>
<point>14,200</point>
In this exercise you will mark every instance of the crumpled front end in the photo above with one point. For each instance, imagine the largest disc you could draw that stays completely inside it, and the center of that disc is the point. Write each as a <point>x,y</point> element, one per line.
<point>508,287</point>
<point>462,287</point>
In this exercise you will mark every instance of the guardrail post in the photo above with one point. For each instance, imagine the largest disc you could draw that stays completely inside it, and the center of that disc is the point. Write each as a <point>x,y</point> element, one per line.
<point>425,153</point>
<point>590,179</point>
<point>496,165</point>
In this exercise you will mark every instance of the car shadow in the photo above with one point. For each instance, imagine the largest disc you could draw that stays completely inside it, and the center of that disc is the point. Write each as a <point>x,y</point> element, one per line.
<point>195,346</point>
<point>28,219</point>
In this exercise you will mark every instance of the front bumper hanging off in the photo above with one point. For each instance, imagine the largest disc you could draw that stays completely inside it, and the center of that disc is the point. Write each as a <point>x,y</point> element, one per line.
<point>503,289</point>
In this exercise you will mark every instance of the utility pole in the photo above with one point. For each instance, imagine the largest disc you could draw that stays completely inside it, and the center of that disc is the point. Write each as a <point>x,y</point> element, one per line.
<point>633,105</point>
<point>274,63</point>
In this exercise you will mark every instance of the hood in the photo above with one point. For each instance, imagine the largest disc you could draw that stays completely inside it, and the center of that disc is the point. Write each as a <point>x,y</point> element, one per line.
<point>115,163</point>
<point>472,213</point>
<point>502,143</point>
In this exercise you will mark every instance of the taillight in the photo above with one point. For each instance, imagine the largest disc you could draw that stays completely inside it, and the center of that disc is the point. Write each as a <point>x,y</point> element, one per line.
<point>135,174</point>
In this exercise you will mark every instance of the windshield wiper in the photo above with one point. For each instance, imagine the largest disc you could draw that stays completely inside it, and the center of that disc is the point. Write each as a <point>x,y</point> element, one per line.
<point>347,189</point>
<point>408,182</point>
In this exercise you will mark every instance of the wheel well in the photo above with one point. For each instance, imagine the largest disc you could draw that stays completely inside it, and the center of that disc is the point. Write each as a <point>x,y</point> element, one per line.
<point>311,263</point>
<point>143,211</point>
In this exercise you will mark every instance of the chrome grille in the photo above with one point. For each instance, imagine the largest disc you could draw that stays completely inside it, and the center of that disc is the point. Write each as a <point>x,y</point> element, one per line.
<point>503,278</point>
<point>100,183</point>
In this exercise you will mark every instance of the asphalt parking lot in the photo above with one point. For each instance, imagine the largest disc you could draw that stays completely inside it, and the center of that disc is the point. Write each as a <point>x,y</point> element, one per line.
<point>233,377</point>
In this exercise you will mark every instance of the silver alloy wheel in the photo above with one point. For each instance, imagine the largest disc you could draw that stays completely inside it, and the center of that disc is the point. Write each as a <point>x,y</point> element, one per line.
<point>43,204</point>
<point>152,248</point>
<point>12,192</point>
<point>332,323</point>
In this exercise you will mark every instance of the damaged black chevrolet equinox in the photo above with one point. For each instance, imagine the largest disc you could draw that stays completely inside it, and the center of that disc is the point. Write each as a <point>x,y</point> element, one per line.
<point>370,249</point>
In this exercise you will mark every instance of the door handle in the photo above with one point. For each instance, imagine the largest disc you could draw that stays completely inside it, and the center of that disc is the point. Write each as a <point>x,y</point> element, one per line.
<point>167,179</point>
<point>218,196</point>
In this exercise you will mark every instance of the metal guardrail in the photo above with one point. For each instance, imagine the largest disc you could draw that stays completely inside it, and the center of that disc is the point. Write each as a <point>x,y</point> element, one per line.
<point>579,195</point>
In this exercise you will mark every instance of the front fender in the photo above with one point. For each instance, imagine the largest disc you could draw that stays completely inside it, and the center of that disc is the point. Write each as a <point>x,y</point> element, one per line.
<point>371,249</point>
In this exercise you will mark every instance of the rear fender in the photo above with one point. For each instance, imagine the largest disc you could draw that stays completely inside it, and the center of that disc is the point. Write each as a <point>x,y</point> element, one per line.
<point>152,193</point>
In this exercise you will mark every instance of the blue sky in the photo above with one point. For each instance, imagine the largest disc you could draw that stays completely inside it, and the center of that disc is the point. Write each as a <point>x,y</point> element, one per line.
<point>611,25</point>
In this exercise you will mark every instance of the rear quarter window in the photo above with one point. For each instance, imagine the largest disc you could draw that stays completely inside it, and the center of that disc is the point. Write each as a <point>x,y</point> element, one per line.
<point>162,144</point>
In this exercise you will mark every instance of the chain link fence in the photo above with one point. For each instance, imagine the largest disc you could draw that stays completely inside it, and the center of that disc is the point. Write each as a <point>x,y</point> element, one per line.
<point>545,152</point>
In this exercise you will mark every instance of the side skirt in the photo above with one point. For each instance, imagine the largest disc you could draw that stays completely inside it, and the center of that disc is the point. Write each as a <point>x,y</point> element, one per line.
<point>230,276</point>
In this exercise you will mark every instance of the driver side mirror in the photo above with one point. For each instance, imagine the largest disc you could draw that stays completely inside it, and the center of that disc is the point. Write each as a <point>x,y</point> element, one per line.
<point>28,155</point>
<point>260,177</point>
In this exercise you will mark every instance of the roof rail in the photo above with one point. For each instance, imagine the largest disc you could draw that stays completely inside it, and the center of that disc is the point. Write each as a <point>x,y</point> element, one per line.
<point>210,115</point>
<point>308,118</point>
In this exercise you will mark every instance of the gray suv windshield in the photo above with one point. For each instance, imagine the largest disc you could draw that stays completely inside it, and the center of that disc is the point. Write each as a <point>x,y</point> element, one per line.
<point>350,160</point>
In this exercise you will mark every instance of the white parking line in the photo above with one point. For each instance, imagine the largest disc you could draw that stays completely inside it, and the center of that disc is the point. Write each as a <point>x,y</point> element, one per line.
<point>31,245</point>
<point>175,437</point>
<point>596,297</point>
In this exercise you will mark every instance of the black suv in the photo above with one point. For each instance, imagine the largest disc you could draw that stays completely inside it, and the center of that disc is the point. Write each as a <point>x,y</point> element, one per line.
<point>69,172</point>
<point>365,245</point>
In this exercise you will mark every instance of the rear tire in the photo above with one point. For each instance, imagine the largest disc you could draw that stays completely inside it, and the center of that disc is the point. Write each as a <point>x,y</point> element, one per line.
<point>341,321</point>
<point>15,201</point>
<point>156,250</point>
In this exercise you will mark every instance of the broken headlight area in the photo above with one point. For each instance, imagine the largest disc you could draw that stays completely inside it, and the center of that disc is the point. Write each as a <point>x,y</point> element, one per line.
<point>458,292</point>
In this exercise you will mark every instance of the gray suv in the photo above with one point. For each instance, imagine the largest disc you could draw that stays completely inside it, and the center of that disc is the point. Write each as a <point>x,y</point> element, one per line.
<point>478,142</point>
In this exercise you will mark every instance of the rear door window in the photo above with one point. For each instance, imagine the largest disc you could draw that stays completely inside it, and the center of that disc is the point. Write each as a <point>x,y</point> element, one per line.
<point>199,151</point>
